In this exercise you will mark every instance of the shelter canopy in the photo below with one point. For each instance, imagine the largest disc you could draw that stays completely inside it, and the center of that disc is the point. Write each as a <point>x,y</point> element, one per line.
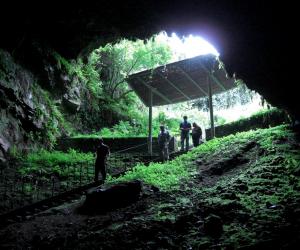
<point>181,81</point>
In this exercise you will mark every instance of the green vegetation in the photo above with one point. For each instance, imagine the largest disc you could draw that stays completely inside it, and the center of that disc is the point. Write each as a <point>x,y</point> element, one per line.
<point>102,79</point>
<point>250,201</point>
<point>168,176</point>
<point>266,115</point>
<point>270,182</point>
<point>110,108</point>
<point>136,128</point>
<point>49,114</point>
<point>89,96</point>
<point>45,163</point>
<point>262,119</point>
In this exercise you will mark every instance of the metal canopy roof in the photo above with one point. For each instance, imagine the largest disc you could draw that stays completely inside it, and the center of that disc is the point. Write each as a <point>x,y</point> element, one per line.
<point>180,81</point>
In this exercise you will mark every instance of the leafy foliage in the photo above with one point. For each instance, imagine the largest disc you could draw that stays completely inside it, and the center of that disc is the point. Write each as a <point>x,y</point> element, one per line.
<point>48,112</point>
<point>261,119</point>
<point>120,60</point>
<point>138,127</point>
<point>102,79</point>
<point>169,175</point>
<point>53,162</point>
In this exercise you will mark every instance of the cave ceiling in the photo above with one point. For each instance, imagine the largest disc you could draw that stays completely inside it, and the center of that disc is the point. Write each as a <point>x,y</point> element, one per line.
<point>253,37</point>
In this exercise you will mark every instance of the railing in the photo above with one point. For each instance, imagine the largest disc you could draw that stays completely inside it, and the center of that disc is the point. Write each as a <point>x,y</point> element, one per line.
<point>17,190</point>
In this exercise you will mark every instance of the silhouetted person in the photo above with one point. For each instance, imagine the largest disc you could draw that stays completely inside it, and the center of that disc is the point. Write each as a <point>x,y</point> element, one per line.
<point>163,143</point>
<point>196,134</point>
<point>101,155</point>
<point>185,128</point>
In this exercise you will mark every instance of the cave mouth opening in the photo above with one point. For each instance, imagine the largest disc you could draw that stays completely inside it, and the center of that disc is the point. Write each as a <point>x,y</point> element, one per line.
<point>230,106</point>
<point>106,71</point>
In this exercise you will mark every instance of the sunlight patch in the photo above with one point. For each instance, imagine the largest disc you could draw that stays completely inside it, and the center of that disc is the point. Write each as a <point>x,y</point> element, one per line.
<point>187,47</point>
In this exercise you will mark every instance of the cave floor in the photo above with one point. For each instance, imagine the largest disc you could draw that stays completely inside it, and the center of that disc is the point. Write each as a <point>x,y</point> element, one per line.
<point>236,200</point>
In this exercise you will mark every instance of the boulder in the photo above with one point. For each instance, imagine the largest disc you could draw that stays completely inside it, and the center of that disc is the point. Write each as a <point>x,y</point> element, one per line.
<point>101,199</point>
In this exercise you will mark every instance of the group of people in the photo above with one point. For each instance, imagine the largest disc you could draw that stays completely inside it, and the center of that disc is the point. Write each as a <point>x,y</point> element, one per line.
<point>164,137</point>
<point>185,128</point>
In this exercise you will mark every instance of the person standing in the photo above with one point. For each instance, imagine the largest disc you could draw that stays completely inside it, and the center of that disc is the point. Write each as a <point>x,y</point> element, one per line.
<point>102,153</point>
<point>185,128</point>
<point>196,134</point>
<point>163,143</point>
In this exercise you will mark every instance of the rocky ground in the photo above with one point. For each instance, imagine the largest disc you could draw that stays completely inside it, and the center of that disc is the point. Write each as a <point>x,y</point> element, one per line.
<point>244,195</point>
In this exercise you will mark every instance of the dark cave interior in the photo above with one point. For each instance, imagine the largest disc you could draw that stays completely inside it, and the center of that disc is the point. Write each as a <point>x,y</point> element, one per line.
<point>251,36</point>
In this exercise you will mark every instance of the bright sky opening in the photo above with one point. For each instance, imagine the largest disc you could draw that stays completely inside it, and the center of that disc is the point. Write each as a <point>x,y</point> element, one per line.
<point>187,47</point>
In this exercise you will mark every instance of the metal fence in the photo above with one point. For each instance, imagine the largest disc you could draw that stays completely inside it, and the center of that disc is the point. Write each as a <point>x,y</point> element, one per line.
<point>17,190</point>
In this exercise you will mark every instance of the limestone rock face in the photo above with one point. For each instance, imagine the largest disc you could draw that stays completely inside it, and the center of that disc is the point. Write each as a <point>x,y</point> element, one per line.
<point>17,110</point>
<point>24,107</point>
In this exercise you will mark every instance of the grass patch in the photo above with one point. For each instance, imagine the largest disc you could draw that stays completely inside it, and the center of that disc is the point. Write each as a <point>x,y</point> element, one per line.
<point>250,214</point>
<point>170,175</point>
<point>48,162</point>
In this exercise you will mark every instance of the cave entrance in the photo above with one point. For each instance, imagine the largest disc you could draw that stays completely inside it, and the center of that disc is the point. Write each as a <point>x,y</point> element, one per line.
<point>184,80</point>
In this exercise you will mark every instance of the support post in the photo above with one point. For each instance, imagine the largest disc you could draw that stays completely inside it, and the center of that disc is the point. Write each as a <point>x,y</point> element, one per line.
<point>150,125</point>
<point>211,110</point>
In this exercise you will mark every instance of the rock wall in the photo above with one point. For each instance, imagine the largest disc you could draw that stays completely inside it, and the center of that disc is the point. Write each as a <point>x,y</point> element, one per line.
<point>29,112</point>
<point>42,101</point>
<point>17,108</point>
